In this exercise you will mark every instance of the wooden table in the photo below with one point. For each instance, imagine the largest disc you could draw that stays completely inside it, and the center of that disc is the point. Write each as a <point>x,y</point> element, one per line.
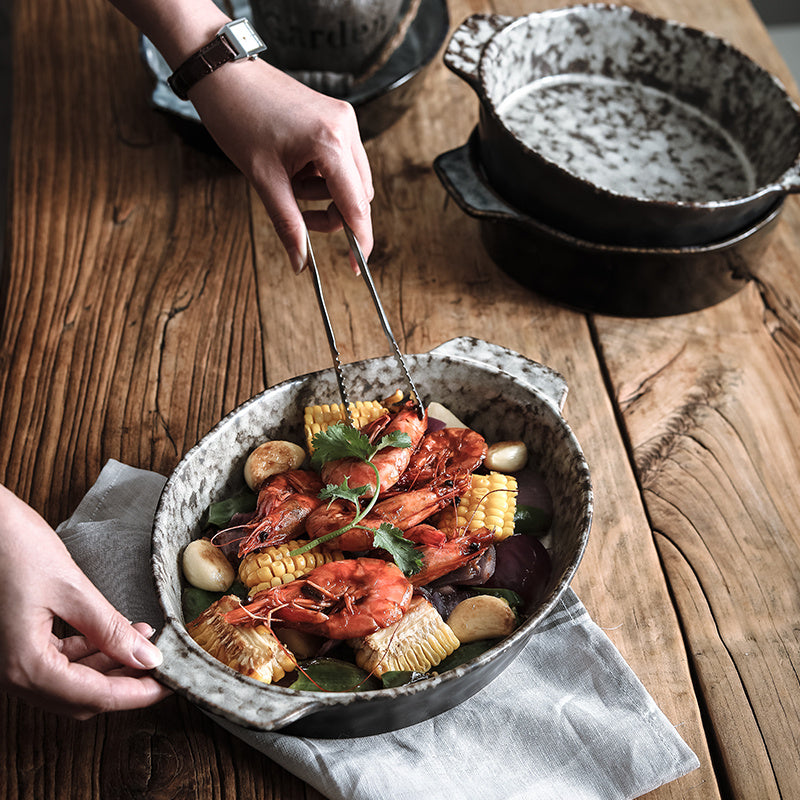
<point>146,295</point>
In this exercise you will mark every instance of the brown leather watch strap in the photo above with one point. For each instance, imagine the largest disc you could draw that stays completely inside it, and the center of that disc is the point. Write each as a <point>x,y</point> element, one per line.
<point>209,58</point>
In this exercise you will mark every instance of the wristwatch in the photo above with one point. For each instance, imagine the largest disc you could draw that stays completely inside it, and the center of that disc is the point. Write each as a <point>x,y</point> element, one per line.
<point>233,42</point>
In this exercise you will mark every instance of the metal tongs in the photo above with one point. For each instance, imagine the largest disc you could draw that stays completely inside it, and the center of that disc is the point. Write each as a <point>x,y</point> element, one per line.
<point>337,364</point>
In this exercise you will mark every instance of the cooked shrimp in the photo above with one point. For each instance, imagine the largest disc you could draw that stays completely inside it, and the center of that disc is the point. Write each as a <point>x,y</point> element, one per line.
<point>390,462</point>
<point>446,451</point>
<point>402,510</point>
<point>340,600</point>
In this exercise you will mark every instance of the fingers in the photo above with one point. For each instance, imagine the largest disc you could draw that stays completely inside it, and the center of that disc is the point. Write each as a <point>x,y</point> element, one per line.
<point>81,691</point>
<point>281,205</point>
<point>351,197</point>
<point>45,677</point>
<point>79,648</point>
<point>339,170</point>
<point>74,678</point>
<point>364,170</point>
<point>102,669</point>
<point>292,143</point>
<point>90,613</point>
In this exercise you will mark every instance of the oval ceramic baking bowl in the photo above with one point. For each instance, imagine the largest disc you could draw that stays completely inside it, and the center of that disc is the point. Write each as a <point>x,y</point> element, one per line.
<point>623,128</point>
<point>609,279</point>
<point>501,394</point>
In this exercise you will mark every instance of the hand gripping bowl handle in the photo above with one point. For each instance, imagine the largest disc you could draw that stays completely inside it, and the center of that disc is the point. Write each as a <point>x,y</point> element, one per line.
<point>466,46</point>
<point>265,711</point>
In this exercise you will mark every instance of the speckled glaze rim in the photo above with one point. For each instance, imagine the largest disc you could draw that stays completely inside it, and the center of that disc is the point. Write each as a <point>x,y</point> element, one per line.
<point>468,55</point>
<point>252,704</point>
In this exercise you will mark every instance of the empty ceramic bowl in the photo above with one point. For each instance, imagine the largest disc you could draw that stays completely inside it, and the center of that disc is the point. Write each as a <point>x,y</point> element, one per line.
<point>622,128</point>
<point>591,276</point>
<point>325,35</point>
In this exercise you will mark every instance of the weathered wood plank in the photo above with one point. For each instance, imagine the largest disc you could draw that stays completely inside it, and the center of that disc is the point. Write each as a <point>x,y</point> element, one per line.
<point>708,402</point>
<point>709,405</point>
<point>130,329</point>
<point>103,232</point>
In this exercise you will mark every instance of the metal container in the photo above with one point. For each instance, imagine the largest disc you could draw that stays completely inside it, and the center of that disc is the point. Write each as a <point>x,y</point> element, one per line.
<point>501,394</point>
<point>626,129</point>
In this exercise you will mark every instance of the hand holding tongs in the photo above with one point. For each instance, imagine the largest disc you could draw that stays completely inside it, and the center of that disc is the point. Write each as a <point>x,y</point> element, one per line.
<point>362,265</point>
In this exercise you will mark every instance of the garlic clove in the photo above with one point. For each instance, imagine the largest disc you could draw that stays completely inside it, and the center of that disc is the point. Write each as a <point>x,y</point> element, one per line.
<point>482,617</point>
<point>506,456</point>
<point>271,458</point>
<point>205,567</point>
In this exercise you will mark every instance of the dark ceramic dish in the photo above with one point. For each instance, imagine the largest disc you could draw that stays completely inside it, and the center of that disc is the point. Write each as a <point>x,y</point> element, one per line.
<point>623,128</point>
<point>609,279</point>
<point>501,394</point>
<point>379,102</point>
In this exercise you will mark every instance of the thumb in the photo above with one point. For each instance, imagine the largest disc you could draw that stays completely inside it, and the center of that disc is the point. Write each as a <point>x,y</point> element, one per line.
<point>90,613</point>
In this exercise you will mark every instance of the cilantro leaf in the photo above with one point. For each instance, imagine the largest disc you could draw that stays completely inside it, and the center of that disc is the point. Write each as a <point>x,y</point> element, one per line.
<point>339,441</point>
<point>404,553</point>
<point>393,439</point>
<point>343,491</point>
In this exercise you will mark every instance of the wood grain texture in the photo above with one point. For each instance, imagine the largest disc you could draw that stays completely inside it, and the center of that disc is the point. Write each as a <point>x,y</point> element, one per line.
<point>709,403</point>
<point>148,295</point>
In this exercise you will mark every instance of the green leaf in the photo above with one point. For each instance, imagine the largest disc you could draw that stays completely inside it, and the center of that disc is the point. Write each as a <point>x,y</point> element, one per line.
<point>532,520</point>
<point>220,513</point>
<point>404,552</point>
<point>342,492</point>
<point>465,653</point>
<point>334,675</point>
<point>195,601</point>
<point>393,439</point>
<point>512,598</point>
<point>339,441</point>
<point>396,677</point>
<point>240,590</point>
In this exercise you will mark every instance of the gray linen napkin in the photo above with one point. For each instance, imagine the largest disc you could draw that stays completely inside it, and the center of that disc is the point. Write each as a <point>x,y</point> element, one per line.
<point>568,720</point>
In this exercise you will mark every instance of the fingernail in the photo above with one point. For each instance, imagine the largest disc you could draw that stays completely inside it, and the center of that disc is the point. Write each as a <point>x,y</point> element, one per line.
<point>149,632</point>
<point>147,654</point>
<point>298,261</point>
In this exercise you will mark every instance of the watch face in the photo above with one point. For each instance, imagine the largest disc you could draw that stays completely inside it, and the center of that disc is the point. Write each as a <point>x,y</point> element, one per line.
<point>243,38</point>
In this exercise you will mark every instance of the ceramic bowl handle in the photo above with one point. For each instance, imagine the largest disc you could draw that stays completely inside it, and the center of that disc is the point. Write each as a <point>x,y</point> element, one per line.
<point>459,174</point>
<point>464,50</point>
<point>533,374</point>
<point>228,696</point>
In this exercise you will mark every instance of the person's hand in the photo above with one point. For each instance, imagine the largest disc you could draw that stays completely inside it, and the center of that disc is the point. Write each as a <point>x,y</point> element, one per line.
<point>105,669</point>
<point>291,142</point>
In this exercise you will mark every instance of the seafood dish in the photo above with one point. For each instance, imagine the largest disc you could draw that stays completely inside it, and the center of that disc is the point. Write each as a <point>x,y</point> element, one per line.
<point>494,391</point>
<point>395,543</point>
